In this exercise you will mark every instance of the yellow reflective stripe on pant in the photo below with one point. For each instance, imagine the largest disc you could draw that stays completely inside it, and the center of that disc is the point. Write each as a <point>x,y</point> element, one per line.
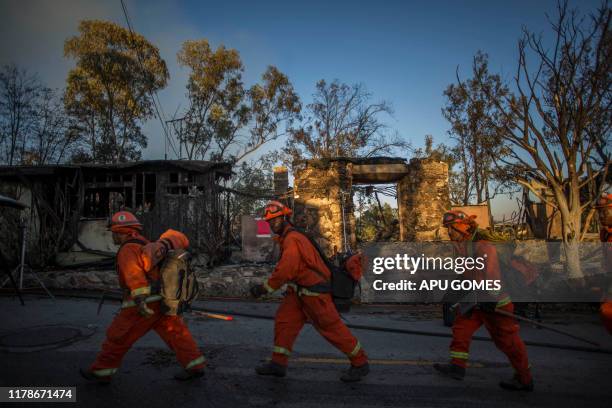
<point>197,361</point>
<point>281,350</point>
<point>105,372</point>
<point>459,354</point>
<point>503,302</point>
<point>355,350</point>
<point>130,303</point>
<point>306,292</point>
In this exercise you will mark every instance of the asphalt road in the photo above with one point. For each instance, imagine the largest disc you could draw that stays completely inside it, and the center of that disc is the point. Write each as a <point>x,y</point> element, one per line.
<point>401,369</point>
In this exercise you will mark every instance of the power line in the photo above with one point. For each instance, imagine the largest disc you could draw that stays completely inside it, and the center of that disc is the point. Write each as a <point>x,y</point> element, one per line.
<point>153,94</point>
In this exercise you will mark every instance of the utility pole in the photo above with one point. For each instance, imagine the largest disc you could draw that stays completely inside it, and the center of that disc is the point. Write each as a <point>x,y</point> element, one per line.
<point>177,125</point>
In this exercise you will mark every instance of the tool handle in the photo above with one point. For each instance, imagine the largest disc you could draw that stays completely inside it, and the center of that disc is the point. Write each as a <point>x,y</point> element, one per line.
<point>213,315</point>
<point>547,327</point>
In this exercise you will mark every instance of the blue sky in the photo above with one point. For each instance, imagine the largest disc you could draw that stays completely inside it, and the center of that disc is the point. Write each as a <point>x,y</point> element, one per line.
<point>404,52</point>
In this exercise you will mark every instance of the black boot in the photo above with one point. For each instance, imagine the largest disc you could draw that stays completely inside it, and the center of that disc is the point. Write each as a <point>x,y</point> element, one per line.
<point>271,368</point>
<point>515,385</point>
<point>450,370</point>
<point>186,375</point>
<point>354,373</point>
<point>89,376</point>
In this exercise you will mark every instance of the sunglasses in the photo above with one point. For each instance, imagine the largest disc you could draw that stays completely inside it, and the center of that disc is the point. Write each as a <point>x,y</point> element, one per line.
<point>450,218</point>
<point>271,211</point>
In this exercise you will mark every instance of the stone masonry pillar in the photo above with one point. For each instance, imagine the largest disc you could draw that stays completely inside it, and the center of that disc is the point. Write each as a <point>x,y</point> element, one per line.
<point>423,197</point>
<point>322,190</point>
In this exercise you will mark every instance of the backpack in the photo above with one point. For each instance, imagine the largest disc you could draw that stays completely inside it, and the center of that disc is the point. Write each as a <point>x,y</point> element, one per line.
<point>344,281</point>
<point>345,275</point>
<point>178,285</point>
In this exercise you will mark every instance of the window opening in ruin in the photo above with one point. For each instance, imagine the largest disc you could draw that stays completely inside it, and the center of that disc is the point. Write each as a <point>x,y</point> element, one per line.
<point>181,184</point>
<point>146,187</point>
<point>376,212</point>
<point>106,194</point>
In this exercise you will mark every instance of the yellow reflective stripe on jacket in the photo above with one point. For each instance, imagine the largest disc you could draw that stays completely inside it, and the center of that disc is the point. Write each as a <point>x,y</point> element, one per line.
<point>459,354</point>
<point>355,350</point>
<point>105,372</point>
<point>306,292</point>
<point>301,290</point>
<point>149,299</point>
<point>197,361</point>
<point>281,350</point>
<point>269,288</point>
<point>504,302</point>
<point>146,290</point>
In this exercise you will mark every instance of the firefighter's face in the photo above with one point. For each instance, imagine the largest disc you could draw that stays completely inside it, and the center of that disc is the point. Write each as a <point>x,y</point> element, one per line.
<point>277,224</point>
<point>119,238</point>
<point>454,234</point>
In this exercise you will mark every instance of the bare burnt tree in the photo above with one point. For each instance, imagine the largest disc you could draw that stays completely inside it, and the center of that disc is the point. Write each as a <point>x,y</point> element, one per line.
<point>34,127</point>
<point>50,140</point>
<point>559,118</point>
<point>19,91</point>
<point>345,122</point>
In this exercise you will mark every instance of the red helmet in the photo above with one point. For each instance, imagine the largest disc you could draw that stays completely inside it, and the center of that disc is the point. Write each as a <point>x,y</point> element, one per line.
<point>457,217</point>
<point>124,219</point>
<point>459,221</point>
<point>276,209</point>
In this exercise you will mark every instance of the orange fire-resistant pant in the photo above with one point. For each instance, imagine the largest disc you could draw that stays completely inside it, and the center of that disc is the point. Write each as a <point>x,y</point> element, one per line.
<point>129,326</point>
<point>296,310</point>
<point>606,315</point>
<point>504,331</point>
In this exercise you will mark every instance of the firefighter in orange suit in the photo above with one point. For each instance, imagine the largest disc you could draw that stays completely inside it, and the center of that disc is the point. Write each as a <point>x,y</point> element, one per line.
<point>308,298</point>
<point>604,207</point>
<point>503,329</point>
<point>140,310</point>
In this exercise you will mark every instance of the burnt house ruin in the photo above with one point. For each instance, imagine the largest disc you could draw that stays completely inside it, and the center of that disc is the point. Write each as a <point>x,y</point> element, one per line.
<point>69,205</point>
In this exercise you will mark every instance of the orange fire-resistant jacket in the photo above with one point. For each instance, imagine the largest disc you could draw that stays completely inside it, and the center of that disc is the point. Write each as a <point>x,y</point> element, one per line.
<point>491,271</point>
<point>299,259</point>
<point>133,276</point>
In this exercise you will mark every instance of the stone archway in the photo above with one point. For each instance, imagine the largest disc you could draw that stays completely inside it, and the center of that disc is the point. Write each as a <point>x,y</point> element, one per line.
<point>323,197</point>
